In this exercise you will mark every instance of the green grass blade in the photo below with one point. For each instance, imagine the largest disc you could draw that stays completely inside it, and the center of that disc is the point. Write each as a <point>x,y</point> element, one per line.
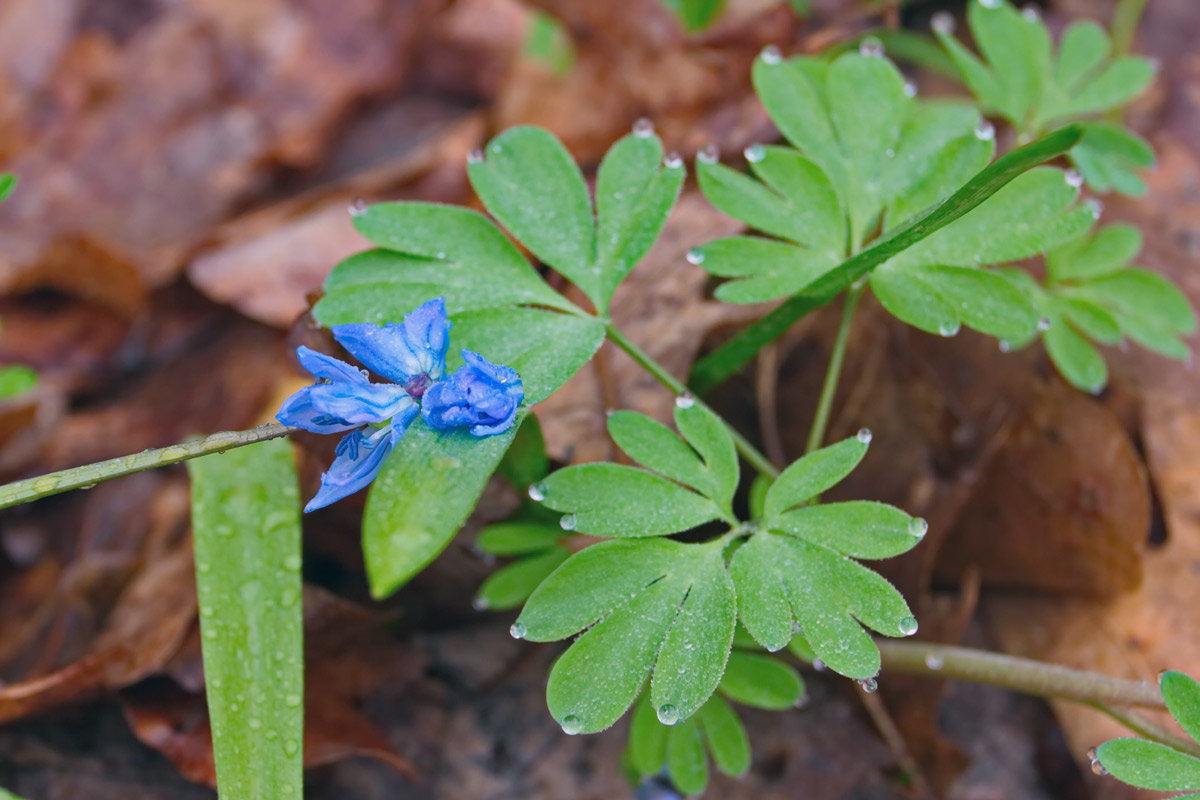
<point>246,523</point>
<point>724,362</point>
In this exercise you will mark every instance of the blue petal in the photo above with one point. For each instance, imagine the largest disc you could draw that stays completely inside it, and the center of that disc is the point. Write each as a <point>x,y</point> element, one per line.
<point>299,411</point>
<point>482,396</point>
<point>359,404</point>
<point>328,368</point>
<point>412,353</point>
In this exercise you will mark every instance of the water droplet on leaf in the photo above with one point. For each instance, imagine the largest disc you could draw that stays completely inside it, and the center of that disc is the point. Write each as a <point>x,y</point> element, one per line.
<point>357,206</point>
<point>643,128</point>
<point>942,22</point>
<point>695,257</point>
<point>818,665</point>
<point>673,160</point>
<point>517,631</point>
<point>480,604</point>
<point>868,685</point>
<point>949,328</point>
<point>567,522</point>
<point>571,725</point>
<point>1031,13</point>
<point>918,527</point>
<point>755,153</point>
<point>990,3</point>
<point>475,156</point>
<point>668,714</point>
<point>985,130</point>
<point>771,54</point>
<point>685,400</point>
<point>871,47</point>
<point>1074,178</point>
<point>910,88</point>
<point>709,154</point>
<point>908,626</point>
<point>864,435</point>
<point>1097,767</point>
<point>1095,206</point>
<point>537,492</point>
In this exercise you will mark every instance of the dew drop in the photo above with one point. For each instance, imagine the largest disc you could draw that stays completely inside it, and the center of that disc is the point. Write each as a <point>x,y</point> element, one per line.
<point>910,88</point>
<point>475,156</point>
<point>1095,206</point>
<point>255,723</point>
<point>1043,324</point>
<point>918,527</point>
<point>1097,767</point>
<point>571,725</point>
<point>567,522</point>
<point>943,22</point>
<point>868,685</point>
<point>517,631</point>
<point>357,206</point>
<point>673,160</point>
<point>908,626</point>
<point>818,665</point>
<point>948,328</point>
<point>755,153</point>
<point>1073,178</point>
<point>695,257</point>
<point>685,400</point>
<point>871,47</point>
<point>709,154</point>
<point>985,130</point>
<point>668,714</point>
<point>990,3</point>
<point>292,700</point>
<point>864,435</point>
<point>801,701</point>
<point>771,54</point>
<point>203,567</point>
<point>537,492</point>
<point>292,562</point>
<point>291,747</point>
<point>480,604</point>
<point>1031,13</point>
<point>643,128</point>
<point>206,611</point>
<point>1005,347</point>
<point>933,661</point>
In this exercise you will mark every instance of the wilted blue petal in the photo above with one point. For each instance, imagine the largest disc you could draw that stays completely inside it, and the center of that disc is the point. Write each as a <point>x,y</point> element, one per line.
<point>360,403</point>
<point>412,353</point>
<point>359,457</point>
<point>328,368</point>
<point>480,395</point>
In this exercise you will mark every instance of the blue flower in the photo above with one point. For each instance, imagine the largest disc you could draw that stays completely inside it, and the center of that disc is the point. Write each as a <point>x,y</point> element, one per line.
<point>480,394</point>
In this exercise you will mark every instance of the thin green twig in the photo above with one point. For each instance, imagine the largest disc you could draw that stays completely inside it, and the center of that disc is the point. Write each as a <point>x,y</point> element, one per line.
<point>748,451</point>
<point>833,372</point>
<point>90,474</point>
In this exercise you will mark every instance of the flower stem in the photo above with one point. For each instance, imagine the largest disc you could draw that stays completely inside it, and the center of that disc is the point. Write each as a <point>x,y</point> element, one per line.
<point>833,372</point>
<point>89,474</point>
<point>1019,674</point>
<point>748,451</point>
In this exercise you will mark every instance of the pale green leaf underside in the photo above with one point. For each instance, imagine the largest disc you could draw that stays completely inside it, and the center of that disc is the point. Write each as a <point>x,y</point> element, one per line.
<point>512,584</point>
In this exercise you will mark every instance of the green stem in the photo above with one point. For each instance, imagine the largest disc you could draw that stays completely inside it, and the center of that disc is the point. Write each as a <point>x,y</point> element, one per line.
<point>724,362</point>
<point>1019,674</point>
<point>1126,17</point>
<point>748,451</point>
<point>90,474</point>
<point>833,372</point>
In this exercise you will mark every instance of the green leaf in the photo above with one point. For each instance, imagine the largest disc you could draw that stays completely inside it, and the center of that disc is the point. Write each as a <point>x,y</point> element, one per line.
<point>511,585</point>
<point>1105,252</point>
<point>544,347</point>
<point>708,434</point>
<point>530,183</point>
<point>761,681</point>
<point>459,250</point>
<point>246,525</point>
<point>426,490</point>
<point>859,528</point>
<point>782,578</point>
<point>1119,82</point>
<point>517,538</point>
<point>647,738</point>
<point>686,760</point>
<point>646,601</point>
<point>1108,156</point>
<point>726,360</point>
<point>1150,765</point>
<point>634,194</point>
<point>1182,695</point>
<point>549,42</point>
<point>16,379</point>
<point>8,182</point>
<point>767,269</point>
<point>813,474</point>
<point>794,201</point>
<point>615,500</point>
<point>1017,50</point>
<point>938,299</point>
<point>1142,294</point>
<point>1084,47</point>
<point>1077,360</point>
<point>725,736</point>
<point>653,444</point>
<point>1090,319</point>
<point>696,15</point>
<point>976,75</point>
<point>526,461</point>
<point>4,793</point>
